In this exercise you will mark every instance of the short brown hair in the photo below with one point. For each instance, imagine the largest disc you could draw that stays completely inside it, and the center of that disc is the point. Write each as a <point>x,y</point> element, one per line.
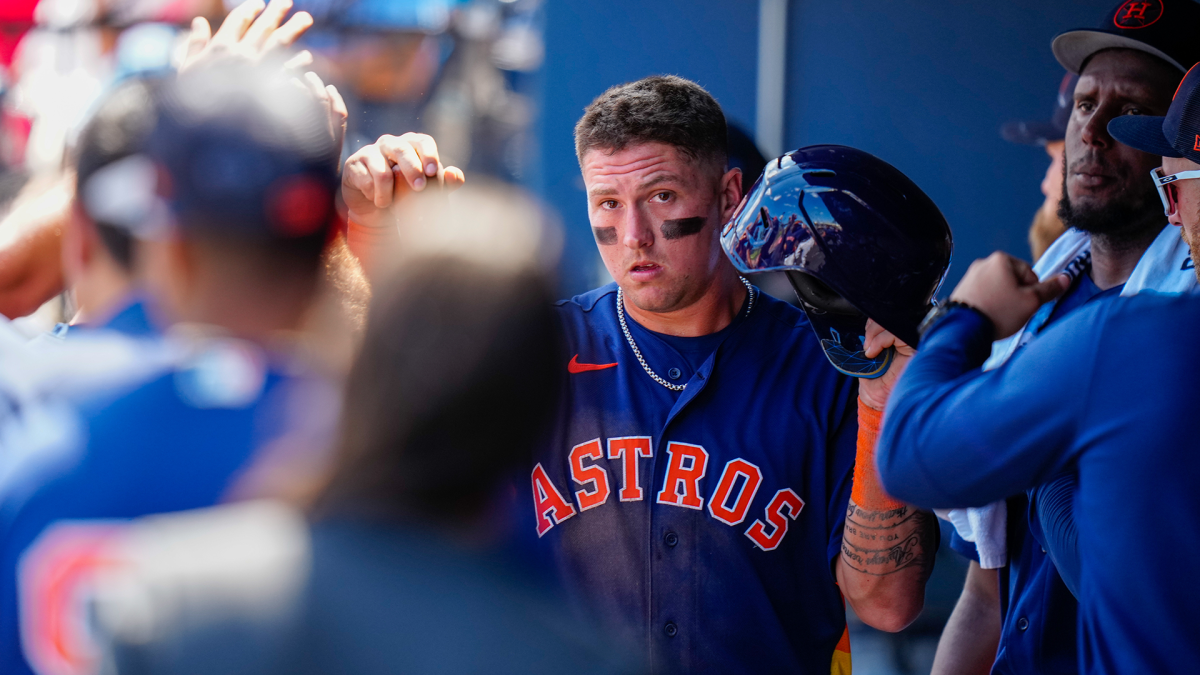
<point>661,108</point>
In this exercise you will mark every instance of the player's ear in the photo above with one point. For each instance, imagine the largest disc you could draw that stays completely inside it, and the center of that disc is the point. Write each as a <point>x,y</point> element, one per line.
<point>731,193</point>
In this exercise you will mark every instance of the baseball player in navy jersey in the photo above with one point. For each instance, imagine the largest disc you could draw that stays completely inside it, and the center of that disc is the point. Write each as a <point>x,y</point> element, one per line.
<point>695,488</point>
<point>954,436</point>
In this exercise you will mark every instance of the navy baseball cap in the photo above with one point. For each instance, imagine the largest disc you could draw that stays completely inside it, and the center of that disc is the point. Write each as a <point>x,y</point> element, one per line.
<point>1176,135</point>
<point>1163,28</point>
<point>245,151</point>
<point>1041,132</point>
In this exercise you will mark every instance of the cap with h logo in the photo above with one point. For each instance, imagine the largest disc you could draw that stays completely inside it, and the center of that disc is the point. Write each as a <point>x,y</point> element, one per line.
<point>1177,134</point>
<point>1163,28</point>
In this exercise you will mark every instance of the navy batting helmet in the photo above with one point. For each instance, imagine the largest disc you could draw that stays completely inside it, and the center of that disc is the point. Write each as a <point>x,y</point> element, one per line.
<point>856,239</point>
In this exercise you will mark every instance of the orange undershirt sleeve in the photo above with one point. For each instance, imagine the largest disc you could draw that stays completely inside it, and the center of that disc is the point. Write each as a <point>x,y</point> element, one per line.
<point>867,492</point>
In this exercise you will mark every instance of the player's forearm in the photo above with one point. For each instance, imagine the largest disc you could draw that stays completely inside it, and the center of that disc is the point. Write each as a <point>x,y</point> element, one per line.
<point>971,636</point>
<point>957,438</point>
<point>888,547</point>
<point>31,263</point>
<point>366,241</point>
<point>931,417</point>
<point>886,559</point>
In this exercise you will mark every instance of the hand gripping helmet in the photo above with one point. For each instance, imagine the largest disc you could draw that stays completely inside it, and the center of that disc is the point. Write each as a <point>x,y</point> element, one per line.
<point>856,239</point>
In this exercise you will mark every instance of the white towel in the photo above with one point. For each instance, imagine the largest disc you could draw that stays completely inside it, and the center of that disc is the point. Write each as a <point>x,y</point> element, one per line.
<point>1165,267</point>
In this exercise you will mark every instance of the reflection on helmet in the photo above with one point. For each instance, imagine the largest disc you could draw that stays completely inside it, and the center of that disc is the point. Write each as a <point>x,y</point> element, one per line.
<point>855,236</point>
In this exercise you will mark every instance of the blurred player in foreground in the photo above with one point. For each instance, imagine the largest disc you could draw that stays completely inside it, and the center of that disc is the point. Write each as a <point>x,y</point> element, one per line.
<point>1117,245</point>
<point>234,204</point>
<point>1048,135</point>
<point>952,437</point>
<point>403,569</point>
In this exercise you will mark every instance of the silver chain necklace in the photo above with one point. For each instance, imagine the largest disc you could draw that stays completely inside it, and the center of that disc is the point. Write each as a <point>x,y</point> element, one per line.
<point>638,353</point>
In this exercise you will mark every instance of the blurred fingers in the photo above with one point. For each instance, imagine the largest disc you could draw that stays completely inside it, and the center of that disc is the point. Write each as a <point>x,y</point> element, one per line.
<point>198,38</point>
<point>357,179</point>
<point>382,177</point>
<point>289,32</point>
<point>302,60</point>
<point>338,115</point>
<point>454,178</point>
<point>237,22</point>
<point>876,339</point>
<point>314,85</point>
<point>1024,273</point>
<point>266,23</point>
<point>336,104</point>
<point>1051,288</point>
<point>404,156</point>
<point>427,149</point>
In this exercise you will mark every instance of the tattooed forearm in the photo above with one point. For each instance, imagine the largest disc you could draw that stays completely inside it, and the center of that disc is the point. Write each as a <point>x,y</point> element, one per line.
<point>884,542</point>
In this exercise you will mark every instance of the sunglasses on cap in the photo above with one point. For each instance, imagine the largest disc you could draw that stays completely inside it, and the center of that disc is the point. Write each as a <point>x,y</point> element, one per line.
<point>1166,191</point>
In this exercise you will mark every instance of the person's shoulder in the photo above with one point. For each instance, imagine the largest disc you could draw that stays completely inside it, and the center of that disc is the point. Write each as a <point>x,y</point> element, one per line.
<point>1148,311</point>
<point>586,303</point>
<point>187,573</point>
<point>786,316</point>
<point>785,326</point>
<point>50,395</point>
<point>202,375</point>
<point>591,313</point>
<point>779,338</point>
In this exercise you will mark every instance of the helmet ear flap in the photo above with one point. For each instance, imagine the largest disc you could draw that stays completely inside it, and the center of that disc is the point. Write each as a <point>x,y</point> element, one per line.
<point>818,297</point>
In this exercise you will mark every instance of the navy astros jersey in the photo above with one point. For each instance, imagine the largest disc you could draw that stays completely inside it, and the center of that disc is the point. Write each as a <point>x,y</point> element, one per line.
<point>706,522</point>
<point>1105,391</point>
<point>1038,613</point>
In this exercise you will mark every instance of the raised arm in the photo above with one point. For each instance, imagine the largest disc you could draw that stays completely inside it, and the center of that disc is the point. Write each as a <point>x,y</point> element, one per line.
<point>31,270</point>
<point>888,546</point>
<point>954,436</point>
<point>370,187</point>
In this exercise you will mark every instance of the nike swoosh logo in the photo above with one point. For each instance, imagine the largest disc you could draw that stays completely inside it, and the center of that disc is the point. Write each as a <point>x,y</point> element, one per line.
<point>575,367</point>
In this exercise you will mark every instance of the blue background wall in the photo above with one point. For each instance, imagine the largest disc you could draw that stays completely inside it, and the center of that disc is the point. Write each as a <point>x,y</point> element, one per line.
<point>924,86</point>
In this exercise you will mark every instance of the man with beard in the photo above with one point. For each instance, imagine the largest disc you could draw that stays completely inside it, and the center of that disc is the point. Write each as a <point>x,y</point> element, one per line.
<point>1015,614</point>
<point>961,437</point>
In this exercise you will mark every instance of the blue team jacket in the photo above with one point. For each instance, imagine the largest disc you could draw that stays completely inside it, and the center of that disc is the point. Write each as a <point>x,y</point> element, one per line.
<point>1110,390</point>
<point>704,523</point>
<point>173,442</point>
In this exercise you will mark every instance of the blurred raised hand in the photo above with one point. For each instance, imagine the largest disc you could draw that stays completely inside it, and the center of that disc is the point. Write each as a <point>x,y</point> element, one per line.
<point>252,31</point>
<point>332,101</point>
<point>385,172</point>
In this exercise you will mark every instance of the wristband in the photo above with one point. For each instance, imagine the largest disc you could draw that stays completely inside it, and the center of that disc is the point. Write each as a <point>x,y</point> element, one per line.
<point>935,315</point>
<point>867,491</point>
